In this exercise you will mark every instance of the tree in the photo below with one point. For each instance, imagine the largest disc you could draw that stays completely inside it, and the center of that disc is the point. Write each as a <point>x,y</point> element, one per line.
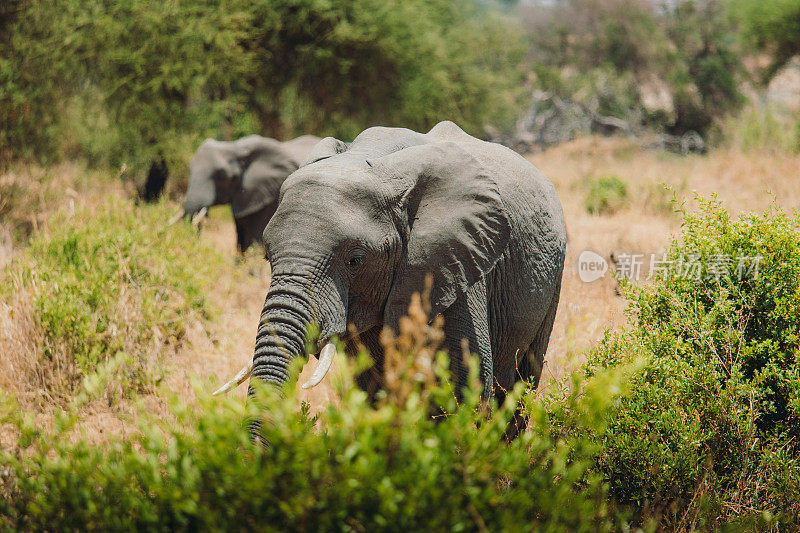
<point>155,78</point>
<point>772,26</point>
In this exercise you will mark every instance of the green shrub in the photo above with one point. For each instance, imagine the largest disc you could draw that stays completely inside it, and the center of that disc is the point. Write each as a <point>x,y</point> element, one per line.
<point>150,80</point>
<point>107,281</point>
<point>606,195</point>
<point>707,433</point>
<point>354,468</point>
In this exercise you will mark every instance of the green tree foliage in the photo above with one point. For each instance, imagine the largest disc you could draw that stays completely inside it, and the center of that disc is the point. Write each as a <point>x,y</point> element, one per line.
<point>590,33</point>
<point>32,85</point>
<point>156,71</point>
<point>705,68</point>
<point>707,432</point>
<point>773,26</point>
<point>685,48</point>
<point>154,78</point>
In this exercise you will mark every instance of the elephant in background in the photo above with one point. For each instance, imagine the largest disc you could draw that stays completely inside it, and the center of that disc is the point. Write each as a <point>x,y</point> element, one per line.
<point>360,227</point>
<point>247,174</point>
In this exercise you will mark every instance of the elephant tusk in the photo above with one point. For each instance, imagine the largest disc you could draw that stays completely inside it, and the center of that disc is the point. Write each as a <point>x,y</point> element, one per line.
<point>325,361</point>
<point>199,216</point>
<point>237,380</point>
<point>179,215</point>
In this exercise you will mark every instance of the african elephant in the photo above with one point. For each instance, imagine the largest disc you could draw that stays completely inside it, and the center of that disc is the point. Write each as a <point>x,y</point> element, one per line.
<point>360,227</point>
<point>247,174</point>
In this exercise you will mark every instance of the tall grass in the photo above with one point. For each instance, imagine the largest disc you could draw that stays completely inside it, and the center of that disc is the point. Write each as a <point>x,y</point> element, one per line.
<point>758,128</point>
<point>100,282</point>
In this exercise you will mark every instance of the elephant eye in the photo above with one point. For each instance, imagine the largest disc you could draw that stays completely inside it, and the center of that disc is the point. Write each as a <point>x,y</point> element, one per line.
<point>357,256</point>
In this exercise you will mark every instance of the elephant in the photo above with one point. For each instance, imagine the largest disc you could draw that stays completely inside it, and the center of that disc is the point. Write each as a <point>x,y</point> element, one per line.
<point>247,174</point>
<point>360,227</point>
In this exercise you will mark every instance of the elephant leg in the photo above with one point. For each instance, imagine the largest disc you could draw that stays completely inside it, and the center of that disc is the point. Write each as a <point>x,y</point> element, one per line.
<point>468,318</point>
<point>250,228</point>
<point>243,237</point>
<point>530,366</point>
<point>371,379</point>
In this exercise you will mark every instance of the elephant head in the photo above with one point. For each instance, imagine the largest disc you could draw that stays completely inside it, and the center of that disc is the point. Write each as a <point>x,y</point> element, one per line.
<point>358,230</point>
<point>247,174</point>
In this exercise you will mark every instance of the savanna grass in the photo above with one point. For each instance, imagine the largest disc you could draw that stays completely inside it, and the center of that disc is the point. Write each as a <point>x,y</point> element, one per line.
<point>104,281</point>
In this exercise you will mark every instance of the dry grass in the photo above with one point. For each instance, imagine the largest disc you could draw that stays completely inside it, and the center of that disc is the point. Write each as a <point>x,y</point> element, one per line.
<point>29,195</point>
<point>742,181</point>
<point>24,373</point>
<point>216,350</point>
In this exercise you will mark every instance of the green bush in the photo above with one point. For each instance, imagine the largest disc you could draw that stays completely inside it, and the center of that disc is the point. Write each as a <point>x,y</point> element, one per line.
<point>354,468</point>
<point>707,432</point>
<point>147,80</point>
<point>605,195</point>
<point>108,281</point>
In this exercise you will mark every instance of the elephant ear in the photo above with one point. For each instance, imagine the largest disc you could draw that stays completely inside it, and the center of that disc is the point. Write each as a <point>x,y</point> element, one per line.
<point>457,227</point>
<point>268,168</point>
<point>327,147</point>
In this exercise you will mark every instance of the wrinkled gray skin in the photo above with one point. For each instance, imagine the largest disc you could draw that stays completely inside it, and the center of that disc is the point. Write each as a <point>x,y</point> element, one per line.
<point>247,174</point>
<point>358,228</point>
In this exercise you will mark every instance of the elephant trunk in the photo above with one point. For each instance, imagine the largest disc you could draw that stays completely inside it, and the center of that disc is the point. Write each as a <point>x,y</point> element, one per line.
<point>282,329</point>
<point>281,335</point>
<point>199,196</point>
<point>293,303</point>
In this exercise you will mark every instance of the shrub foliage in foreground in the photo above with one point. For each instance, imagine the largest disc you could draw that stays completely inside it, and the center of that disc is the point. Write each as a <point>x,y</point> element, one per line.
<point>708,430</point>
<point>103,282</point>
<point>703,434</point>
<point>389,468</point>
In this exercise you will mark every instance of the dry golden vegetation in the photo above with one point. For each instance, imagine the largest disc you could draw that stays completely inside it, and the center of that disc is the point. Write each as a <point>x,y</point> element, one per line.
<point>212,349</point>
<point>30,194</point>
<point>743,181</point>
